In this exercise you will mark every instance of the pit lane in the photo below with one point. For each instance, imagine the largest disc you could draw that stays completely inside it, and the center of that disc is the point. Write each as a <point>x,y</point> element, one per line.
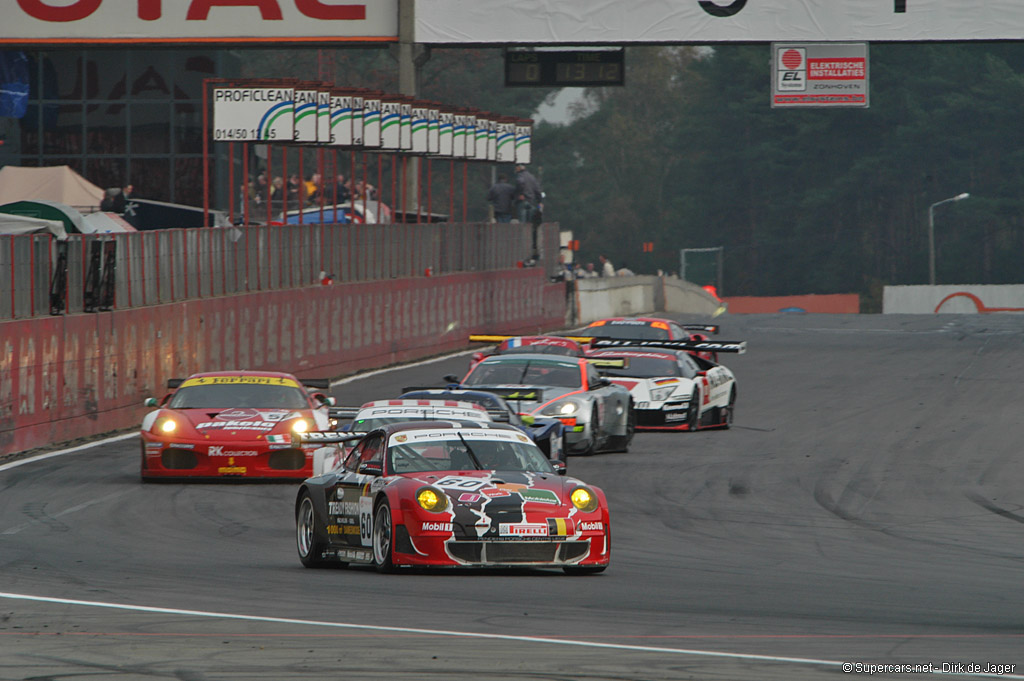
<point>866,508</point>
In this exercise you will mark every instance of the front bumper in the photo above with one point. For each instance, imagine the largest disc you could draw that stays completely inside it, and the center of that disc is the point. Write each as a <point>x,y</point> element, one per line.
<point>185,458</point>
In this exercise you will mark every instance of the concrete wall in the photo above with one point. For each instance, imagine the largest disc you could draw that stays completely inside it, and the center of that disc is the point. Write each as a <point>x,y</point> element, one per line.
<point>79,375</point>
<point>599,298</point>
<point>837,303</point>
<point>956,299</point>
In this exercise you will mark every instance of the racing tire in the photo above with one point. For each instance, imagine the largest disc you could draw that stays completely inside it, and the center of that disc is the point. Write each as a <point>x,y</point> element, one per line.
<point>595,427</point>
<point>620,443</point>
<point>383,535</point>
<point>693,414</point>
<point>309,547</point>
<point>730,413</point>
<point>585,570</point>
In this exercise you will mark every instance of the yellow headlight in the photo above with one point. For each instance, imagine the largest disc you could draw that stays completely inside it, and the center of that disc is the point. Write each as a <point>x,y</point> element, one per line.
<point>583,499</point>
<point>168,426</point>
<point>300,426</point>
<point>431,500</point>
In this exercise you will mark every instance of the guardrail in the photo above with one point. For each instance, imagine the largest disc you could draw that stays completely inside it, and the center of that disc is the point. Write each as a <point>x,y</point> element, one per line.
<point>87,273</point>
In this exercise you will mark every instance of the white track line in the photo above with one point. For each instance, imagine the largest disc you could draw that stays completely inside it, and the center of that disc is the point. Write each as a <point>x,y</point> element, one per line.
<point>464,634</point>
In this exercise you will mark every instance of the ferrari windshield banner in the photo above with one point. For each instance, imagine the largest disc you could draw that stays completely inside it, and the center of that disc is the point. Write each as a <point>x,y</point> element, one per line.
<point>576,22</point>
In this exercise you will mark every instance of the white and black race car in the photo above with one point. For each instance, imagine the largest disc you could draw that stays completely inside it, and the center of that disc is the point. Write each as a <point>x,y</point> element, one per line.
<point>673,389</point>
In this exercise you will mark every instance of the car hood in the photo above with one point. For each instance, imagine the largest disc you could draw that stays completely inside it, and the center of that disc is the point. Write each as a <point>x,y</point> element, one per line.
<point>239,423</point>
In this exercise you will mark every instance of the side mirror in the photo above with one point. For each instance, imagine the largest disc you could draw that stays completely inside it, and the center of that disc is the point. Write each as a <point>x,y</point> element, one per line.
<point>527,419</point>
<point>452,378</point>
<point>151,402</point>
<point>371,468</point>
<point>325,399</point>
<point>702,373</point>
<point>559,467</point>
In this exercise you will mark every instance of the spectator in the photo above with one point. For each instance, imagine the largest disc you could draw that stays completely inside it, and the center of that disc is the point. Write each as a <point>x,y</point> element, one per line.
<point>313,186</point>
<point>502,197</point>
<point>588,272</point>
<point>113,201</point>
<point>341,189</point>
<point>624,271</point>
<point>296,191</point>
<point>529,196</point>
<point>607,268</point>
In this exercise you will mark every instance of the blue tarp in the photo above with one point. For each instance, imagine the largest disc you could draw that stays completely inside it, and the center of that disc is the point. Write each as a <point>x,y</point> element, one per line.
<point>13,84</point>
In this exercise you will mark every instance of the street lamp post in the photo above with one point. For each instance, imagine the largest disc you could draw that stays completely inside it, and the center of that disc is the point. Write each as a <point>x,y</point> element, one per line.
<point>931,233</point>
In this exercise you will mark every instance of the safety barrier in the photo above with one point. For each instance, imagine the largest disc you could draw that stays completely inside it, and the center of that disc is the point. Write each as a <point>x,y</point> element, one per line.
<point>598,298</point>
<point>72,376</point>
<point>957,299</point>
<point>121,271</point>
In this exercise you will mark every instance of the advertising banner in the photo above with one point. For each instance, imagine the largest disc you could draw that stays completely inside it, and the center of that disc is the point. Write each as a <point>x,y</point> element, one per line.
<point>306,99</point>
<point>371,120</point>
<point>819,75</point>
<point>505,141</point>
<point>391,124</point>
<point>614,22</point>
<point>341,119</point>
<point>524,131</point>
<point>253,114</point>
<point>420,127</point>
<point>445,132</point>
<point>191,21</point>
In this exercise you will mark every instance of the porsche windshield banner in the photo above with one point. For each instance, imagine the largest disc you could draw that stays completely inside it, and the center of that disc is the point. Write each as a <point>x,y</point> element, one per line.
<point>578,22</point>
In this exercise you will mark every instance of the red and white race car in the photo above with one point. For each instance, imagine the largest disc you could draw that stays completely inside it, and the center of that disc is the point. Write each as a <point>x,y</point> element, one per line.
<point>673,389</point>
<point>215,425</point>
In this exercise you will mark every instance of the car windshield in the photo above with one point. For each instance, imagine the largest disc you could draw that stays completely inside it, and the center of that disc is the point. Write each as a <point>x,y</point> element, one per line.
<point>628,332</point>
<point>227,395</point>
<point>645,367</point>
<point>525,371</point>
<point>447,452</point>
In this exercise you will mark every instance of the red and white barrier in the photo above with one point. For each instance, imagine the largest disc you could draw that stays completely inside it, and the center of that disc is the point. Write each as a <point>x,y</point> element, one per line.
<point>63,378</point>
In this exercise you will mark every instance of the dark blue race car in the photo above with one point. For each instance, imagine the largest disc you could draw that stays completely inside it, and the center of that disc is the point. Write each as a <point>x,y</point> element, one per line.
<point>546,432</point>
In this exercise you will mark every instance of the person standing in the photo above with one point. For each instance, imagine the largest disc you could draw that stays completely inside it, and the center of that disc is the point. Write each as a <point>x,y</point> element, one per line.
<point>607,268</point>
<point>529,194</point>
<point>502,196</point>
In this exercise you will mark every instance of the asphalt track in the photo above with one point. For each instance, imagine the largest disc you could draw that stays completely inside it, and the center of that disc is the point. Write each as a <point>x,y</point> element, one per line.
<point>867,508</point>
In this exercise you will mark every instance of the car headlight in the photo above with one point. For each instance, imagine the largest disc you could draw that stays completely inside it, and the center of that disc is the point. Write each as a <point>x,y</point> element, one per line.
<point>583,499</point>
<point>662,394</point>
<point>300,426</point>
<point>167,426</point>
<point>431,499</point>
<point>559,409</point>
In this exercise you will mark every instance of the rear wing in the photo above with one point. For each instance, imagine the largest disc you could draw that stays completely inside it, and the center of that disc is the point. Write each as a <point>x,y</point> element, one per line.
<point>342,413</point>
<point>706,328</point>
<point>488,338</point>
<point>609,362</point>
<point>738,347</point>
<point>517,394</point>
<point>318,437</point>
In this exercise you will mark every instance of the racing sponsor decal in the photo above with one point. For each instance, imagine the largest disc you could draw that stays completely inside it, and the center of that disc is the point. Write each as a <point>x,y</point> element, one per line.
<point>523,529</point>
<point>419,412</point>
<point>231,470</point>
<point>595,526</point>
<point>401,438</point>
<point>436,527</point>
<point>237,415</point>
<point>218,450</point>
<point>366,520</point>
<point>343,508</point>
<point>561,527</point>
<point>665,381</point>
<point>343,529</point>
<point>522,438</point>
<point>675,415</point>
<point>251,380</point>
<point>261,426</point>
<point>352,554</point>
<point>539,496</point>
<point>155,445</point>
<point>495,492</point>
<point>467,498</point>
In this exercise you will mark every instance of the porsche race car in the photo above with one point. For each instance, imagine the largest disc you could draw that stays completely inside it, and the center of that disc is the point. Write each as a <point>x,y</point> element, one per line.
<point>215,425</point>
<point>444,495</point>
<point>597,414</point>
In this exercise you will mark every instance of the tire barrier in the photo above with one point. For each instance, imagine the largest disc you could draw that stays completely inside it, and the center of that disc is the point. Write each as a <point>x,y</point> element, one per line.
<point>75,376</point>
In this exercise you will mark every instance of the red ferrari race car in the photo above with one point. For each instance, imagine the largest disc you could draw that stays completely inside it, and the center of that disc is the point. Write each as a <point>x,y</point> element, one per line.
<point>444,495</point>
<point>215,425</point>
